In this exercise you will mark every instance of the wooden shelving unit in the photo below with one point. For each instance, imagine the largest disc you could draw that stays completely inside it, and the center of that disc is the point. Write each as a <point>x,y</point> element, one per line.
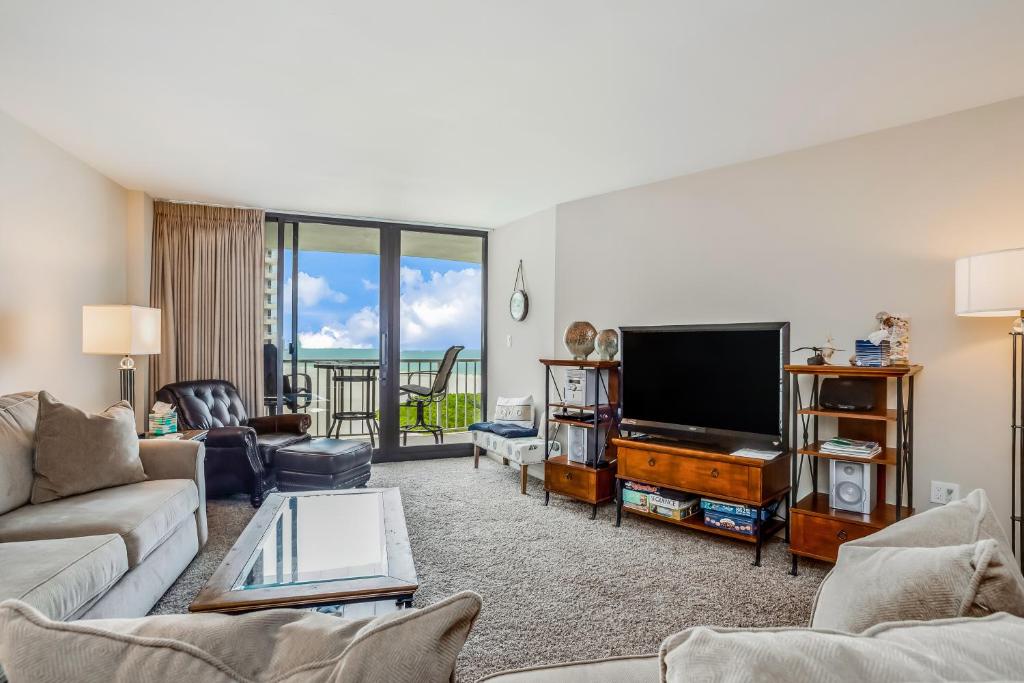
<point>589,483</point>
<point>816,529</point>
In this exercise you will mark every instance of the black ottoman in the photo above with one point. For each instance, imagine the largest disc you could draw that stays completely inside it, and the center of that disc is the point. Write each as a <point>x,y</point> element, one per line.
<point>320,464</point>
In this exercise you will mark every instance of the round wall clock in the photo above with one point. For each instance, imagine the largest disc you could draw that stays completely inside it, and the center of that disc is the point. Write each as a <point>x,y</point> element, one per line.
<point>519,304</point>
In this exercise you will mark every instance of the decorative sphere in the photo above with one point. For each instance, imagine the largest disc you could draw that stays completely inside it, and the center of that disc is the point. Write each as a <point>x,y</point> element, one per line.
<point>579,339</point>
<point>607,344</point>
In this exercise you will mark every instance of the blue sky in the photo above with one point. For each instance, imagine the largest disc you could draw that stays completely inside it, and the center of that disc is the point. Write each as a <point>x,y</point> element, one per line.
<point>339,301</point>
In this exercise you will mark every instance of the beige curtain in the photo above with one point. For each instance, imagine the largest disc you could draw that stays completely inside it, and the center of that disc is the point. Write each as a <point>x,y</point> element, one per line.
<point>208,283</point>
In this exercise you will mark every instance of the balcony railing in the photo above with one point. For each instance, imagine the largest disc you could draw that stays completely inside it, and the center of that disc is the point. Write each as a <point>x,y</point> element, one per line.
<point>461,407</point>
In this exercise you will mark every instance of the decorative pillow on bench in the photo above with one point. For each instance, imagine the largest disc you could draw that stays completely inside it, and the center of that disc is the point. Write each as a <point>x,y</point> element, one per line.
<point>516,411</point>
<point>76,452</point>
<point>282,645</point>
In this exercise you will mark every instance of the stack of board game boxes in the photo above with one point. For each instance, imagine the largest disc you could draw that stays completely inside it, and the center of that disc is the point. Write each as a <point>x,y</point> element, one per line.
<point>659,501</point>
<point>742,519</point>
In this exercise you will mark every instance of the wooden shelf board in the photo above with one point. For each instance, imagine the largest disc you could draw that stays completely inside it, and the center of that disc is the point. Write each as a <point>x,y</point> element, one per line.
<point>564,460</point>
<point>569,363</point>
<point>696,521</point>
<point>887,416</point>
<point>817,504</point>
<point>886,457</point>
<point>577,423</point>
<point>854,370</point>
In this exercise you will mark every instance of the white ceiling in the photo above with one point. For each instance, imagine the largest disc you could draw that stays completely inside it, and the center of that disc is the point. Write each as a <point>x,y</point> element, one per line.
<point>476,112</point>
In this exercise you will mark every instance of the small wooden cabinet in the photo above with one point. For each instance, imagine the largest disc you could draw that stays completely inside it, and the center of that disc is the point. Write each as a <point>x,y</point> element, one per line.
<point>816,529</point>
<point>719,475</point>
<point>586,484</point>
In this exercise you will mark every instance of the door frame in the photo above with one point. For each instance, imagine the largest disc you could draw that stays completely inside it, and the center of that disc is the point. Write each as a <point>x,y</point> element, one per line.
<point>389,448</point>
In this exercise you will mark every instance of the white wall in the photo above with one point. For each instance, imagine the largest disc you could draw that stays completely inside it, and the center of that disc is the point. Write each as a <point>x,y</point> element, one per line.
<point>824,238</point>
<point>513,370</point>
<point>62,229</point>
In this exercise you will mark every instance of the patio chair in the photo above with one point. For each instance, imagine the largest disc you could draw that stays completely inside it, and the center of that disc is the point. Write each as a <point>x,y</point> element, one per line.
<point>422,396</point>
<point>295,398</point>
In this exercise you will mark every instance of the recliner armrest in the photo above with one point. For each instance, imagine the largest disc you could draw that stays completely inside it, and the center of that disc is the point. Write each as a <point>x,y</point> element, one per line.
<point>290,423</point>
<point>228,437</point>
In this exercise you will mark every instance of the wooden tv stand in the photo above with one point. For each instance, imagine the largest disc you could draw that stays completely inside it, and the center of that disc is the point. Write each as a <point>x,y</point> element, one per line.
<point>705,472</point>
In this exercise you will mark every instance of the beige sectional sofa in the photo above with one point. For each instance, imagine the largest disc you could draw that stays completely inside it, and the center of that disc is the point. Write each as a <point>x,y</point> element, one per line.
<point>107,553</point>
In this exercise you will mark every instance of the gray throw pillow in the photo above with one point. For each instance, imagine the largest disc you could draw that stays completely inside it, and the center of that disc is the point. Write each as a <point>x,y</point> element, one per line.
<point>280,645</point>
<point>965,649</point>
<point>76,452</point>
<point>870,586</point>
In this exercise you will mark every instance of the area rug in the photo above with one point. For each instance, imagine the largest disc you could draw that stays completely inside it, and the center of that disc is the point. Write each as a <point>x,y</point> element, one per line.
<point>556,585</point>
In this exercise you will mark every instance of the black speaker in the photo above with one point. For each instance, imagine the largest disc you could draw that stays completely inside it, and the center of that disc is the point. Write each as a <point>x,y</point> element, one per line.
<point>840,393</point>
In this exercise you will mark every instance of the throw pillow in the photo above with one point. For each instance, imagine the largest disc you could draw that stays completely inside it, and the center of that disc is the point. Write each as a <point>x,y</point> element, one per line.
<point>963,649</point>
<point>282,645</point>
<point>869,586</point>
<point>76,452</point>
<point>517,411</point>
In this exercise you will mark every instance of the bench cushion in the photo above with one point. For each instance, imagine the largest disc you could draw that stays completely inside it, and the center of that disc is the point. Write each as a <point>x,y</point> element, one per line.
<point>524,451</point>
<point>61,577</point>
<point>142,514</point>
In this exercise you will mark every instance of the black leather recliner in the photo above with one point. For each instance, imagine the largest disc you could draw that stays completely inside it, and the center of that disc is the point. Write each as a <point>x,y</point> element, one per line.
<point>239,449</point>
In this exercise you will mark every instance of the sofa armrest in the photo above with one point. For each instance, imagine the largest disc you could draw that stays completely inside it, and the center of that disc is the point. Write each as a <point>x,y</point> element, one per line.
<point>289,423</point>
<point>167,459</point>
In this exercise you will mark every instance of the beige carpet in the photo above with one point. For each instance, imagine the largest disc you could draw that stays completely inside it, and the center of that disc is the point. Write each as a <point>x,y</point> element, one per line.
<point>556,586</point>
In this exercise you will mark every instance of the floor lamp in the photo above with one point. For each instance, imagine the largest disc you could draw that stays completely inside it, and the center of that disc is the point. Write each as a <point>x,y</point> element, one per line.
<point>992,285</point>
<point>121,331</point>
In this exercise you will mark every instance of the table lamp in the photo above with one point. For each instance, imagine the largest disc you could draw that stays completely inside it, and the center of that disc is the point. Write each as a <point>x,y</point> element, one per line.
<point>121,331</point>
<point>992,285</point>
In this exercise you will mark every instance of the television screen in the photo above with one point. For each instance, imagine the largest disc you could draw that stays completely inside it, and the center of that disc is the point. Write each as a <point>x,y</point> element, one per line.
<point>708,377</point>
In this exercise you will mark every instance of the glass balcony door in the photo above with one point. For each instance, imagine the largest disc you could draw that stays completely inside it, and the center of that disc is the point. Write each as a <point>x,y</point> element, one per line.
<point>358,319</point>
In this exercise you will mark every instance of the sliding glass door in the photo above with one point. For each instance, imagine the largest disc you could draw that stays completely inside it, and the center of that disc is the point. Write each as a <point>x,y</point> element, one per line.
<point>359,317</point>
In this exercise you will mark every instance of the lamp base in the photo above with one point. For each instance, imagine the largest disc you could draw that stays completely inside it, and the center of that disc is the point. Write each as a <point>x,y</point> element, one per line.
<point>128,384</point>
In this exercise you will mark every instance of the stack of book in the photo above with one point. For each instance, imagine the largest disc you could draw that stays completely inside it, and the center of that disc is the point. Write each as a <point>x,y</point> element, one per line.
<point>870,355</point>
<point>851,447</point>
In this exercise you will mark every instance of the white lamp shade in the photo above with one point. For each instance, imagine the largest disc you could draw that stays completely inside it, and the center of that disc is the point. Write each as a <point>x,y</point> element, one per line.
<point>991,284</point>
<point>120,330</point>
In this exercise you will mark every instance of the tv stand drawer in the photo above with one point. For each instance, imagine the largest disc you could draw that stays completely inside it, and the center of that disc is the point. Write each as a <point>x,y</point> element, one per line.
<point>700,475</point>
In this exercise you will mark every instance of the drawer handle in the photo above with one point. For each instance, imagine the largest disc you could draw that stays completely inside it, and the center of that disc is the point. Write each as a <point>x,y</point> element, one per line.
<point>568,475</point>
<point>842,535</point>
<point>651,462</point>
<point>714,473</point>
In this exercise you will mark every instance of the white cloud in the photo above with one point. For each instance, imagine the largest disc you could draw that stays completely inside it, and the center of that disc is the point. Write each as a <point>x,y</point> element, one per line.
<point>370,286</point>
<point>436,312</point>
<point>314,289</point>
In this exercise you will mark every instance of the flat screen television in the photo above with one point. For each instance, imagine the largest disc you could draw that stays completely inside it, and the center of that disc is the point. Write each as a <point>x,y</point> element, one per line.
<point>721,385</point>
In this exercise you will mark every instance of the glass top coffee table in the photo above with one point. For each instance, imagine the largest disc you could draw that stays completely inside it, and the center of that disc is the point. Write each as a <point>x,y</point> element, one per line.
<point>316,549</point>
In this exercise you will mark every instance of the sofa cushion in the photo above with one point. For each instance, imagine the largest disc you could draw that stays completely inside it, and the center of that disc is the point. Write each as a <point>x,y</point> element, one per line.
<point>77,452</point>
<point>967,520</point>
<point>142,514</point>
<point>964,649</point>
<point>869,586</point>
<point>61,577</point>
<point>292,646</point>
<point>17,434</point>
<point>635,669</point>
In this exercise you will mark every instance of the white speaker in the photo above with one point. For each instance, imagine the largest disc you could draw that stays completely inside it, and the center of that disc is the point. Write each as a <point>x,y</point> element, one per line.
<point>579,446</point>
<point>853,486</point>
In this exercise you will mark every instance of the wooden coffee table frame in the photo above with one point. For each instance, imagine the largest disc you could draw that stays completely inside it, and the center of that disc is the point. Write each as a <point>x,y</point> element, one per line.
<point>400,584</point>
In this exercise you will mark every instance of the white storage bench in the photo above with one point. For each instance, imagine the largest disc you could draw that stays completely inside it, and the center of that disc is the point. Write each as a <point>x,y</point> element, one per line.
<point>524,451</point>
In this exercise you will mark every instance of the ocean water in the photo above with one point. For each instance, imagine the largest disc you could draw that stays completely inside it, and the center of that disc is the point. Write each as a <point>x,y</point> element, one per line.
<point>374,354</point>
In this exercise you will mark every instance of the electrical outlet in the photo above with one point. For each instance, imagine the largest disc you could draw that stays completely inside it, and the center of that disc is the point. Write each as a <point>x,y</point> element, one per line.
<point>944,492</point>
